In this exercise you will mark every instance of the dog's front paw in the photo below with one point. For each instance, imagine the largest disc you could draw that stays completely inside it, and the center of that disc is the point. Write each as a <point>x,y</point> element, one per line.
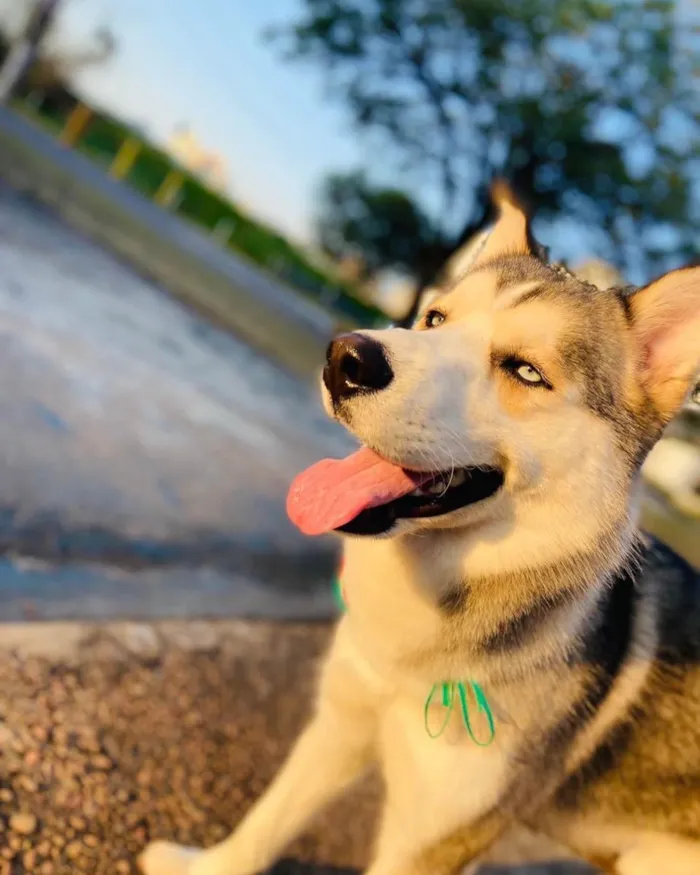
<point>166,858</point>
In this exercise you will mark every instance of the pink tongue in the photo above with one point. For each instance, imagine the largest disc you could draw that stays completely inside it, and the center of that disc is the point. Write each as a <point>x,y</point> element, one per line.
<point>334,491</point>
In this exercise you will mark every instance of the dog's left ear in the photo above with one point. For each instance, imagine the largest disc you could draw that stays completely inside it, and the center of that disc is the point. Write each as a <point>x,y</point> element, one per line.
<point>666,323</point>
<point>510,234</point>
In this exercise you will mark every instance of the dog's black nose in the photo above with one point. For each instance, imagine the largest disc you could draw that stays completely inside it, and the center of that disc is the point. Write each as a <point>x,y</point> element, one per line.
<point>356,363</point>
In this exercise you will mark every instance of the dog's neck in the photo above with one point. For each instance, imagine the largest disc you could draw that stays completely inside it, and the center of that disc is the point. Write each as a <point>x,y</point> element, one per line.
<point>417,600</point>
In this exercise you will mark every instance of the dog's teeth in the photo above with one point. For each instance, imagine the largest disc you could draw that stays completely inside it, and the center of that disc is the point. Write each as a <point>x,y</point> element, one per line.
<point>441,485</point>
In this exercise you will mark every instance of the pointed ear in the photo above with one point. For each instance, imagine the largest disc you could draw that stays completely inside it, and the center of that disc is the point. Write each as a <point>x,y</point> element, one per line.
<point>510,235</point>
<point>666,321</point>
<point>463,258</point>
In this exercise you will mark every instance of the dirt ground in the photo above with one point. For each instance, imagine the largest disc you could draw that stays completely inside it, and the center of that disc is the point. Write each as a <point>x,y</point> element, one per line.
<point>111,736</point>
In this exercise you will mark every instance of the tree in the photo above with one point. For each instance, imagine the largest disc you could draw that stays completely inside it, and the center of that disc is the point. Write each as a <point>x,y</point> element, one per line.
<point>56,66</point>
<point>384,226</point>
<point>20,56</point>
<point>589,107</point>
<point>51,65</point>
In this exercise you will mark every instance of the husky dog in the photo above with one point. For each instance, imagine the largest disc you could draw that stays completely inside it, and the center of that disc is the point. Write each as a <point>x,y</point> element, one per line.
<point>514,650</point>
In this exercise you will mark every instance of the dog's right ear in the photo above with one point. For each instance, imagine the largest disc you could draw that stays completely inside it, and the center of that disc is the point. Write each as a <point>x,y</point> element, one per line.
<point>510,234</point>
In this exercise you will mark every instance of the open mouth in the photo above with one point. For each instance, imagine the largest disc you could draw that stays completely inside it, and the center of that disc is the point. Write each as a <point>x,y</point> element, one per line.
<point>364,494</point>
<point>443,493</point>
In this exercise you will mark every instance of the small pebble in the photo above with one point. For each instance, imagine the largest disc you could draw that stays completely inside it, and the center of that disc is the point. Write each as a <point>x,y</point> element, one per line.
<point>73,850</point>
<point>23,823</point>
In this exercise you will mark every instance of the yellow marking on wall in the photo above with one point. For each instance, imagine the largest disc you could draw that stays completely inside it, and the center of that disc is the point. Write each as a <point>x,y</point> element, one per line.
<point>125,157</point>
<point>169,188</point>
<point>75,125</point>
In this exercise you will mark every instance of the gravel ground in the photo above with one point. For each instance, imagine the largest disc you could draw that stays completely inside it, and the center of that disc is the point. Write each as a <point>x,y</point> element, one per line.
<point>114,735</point>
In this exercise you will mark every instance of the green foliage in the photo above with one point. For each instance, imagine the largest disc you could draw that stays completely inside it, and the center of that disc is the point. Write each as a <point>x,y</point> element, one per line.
<point>149,170</point>
<point>102,139</point>
<point>201,204</point>
<point>383,226</point>
<point>576,102</point>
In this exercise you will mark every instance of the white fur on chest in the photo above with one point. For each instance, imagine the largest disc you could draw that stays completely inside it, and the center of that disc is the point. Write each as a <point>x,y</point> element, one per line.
<point>436,785</point>
<point>432,782</point>
<point>392,637</point>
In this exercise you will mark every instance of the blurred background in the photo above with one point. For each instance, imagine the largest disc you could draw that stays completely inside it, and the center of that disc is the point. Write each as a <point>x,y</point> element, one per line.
<point>193,199</point>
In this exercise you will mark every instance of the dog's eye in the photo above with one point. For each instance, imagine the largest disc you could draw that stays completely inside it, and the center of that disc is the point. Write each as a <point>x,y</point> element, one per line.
<point>525,373</point>
<point>528,374</point>
<point>433,318</point>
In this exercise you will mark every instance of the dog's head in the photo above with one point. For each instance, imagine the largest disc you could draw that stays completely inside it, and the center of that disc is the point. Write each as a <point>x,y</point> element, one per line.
<point>521,397</point>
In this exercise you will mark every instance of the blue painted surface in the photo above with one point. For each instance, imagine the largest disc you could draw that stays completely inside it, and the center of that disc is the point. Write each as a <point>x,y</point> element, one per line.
<point>139,438</point>
<point>50,418</point>
<point>87,593</point>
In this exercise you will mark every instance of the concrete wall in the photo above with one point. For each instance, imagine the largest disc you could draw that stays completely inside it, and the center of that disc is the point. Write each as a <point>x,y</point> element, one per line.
<point>273,317</point>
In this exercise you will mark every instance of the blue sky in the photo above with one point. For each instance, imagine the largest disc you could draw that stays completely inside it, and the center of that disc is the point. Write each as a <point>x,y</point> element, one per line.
<point>204,63</point>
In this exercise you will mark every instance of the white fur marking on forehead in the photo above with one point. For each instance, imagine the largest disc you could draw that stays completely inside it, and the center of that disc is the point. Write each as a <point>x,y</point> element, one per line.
<point>510,297</point>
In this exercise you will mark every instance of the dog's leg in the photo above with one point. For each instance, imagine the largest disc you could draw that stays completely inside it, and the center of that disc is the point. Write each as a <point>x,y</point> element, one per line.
<point>334,750</point>
<point>660,855</point>
<point>435,852</point>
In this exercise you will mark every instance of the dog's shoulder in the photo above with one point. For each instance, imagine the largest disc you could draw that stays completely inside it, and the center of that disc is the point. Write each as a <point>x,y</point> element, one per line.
<point>650,611</point>
<point>672,585</point>
<point>647,762</point>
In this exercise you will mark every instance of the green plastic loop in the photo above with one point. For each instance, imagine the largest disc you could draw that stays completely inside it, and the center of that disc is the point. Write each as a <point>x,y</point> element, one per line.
<point>451,691</point>
<point>338,595</point>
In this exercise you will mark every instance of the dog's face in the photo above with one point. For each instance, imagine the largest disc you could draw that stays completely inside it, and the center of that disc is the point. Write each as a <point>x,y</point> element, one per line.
<point>525,393</point>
